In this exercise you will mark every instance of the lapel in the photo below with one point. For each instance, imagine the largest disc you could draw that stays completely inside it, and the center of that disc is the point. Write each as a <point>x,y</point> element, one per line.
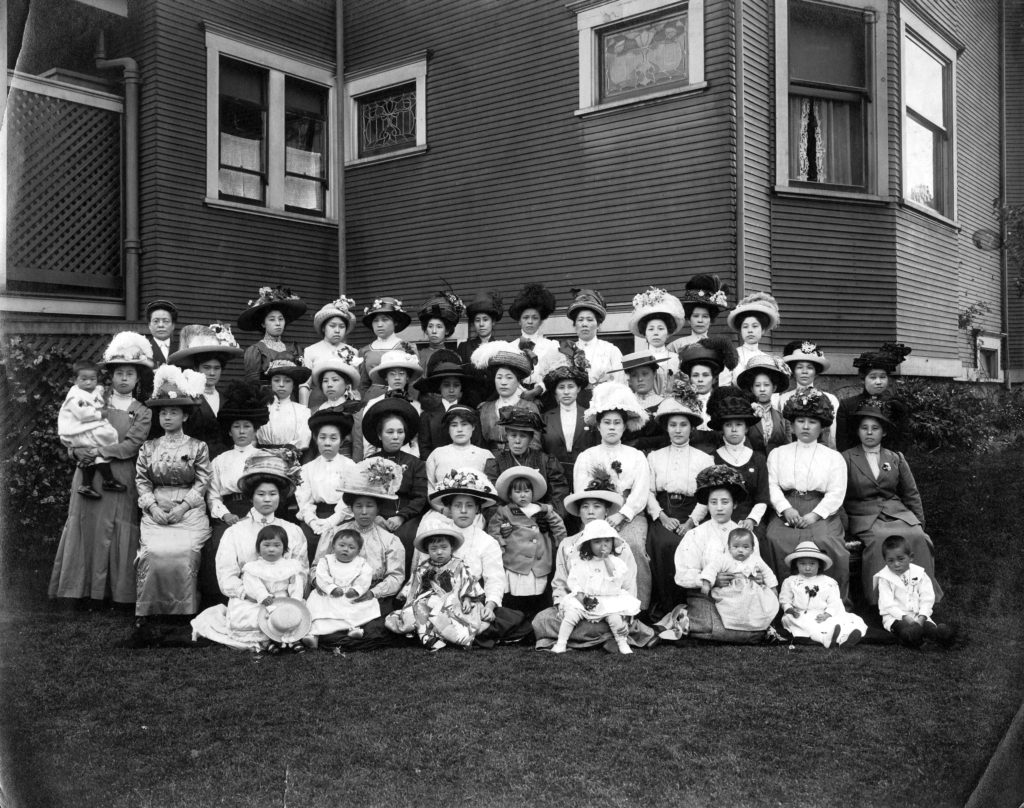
<point>577,435</point>
<point>860,462</point>
<point>554,425</point>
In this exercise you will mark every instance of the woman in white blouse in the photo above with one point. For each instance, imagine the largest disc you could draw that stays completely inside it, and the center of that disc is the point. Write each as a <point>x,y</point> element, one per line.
<point>807,485</point>
<point>531,307</point>
<point>586,312</point>
<point>671,503</point>
<point>613,410</point>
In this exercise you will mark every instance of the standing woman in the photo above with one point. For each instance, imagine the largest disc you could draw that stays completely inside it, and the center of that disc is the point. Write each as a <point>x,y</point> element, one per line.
<point>882,499</point>
<point>531,307</point>
<point>876,369</point>
<point>333,323</point>
<point>384,317</point>
<point>206,349</point>
<point>703,300</point>
<point>586,312</point>
<point>703,363</point>
<point>754,316</point>
<point>506,370</point>
<point>656,317</point>
<point>732,418</point>
<point>96,554</point>
<point>760,380</point>
<point>438,317</point>
<point>172,473</point>
<point>807,361</point>
<point>566,433</point>
<point>482,312</point>
<point>613,410</point>
<point>270,312</point>
<point>807,485</point>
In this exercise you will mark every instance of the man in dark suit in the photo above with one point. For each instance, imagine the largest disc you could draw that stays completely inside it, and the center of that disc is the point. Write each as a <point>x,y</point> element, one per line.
<point>161,318</point>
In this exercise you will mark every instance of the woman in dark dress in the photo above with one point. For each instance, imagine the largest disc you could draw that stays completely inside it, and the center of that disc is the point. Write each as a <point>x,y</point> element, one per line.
<point>876,369</point>
<point>732,417</point>
<point>762,378</point>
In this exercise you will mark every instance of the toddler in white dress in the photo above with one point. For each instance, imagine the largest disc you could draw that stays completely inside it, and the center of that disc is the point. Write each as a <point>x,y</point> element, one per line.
<point>748,602</point>
<point>81,425</point>
<point>811,604</point>
<point>342,599</point>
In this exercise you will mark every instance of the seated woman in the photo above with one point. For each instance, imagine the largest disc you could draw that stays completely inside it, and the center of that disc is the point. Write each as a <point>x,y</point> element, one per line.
<point>808,362</point>
<point>876,369</point>
<point>396,372</point>
<point>447,381</point>
<point>761,379</point>
<point>506,368</point>
<point>807,485</point>
<point>882,499</point>
<point>704,363</point>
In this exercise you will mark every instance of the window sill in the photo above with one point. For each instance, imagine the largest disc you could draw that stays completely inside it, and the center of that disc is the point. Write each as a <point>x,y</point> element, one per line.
<point>609,106</point>
<point>828,193</point>
<point>222,204</point>
<point>383,158</point>
<point>79,307</point>
<point>931,213</point>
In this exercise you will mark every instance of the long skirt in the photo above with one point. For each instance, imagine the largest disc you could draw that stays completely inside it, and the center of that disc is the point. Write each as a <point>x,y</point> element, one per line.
<point>235,625</point>
<point>826,533</point>
<point>661,545</point>
<point>323,510</point>
<point>634,533</point>
<point>96,554</point>
<point>588,633</point>
<point>918,542</point>
<point>209,588</point>
<point>168,564</point>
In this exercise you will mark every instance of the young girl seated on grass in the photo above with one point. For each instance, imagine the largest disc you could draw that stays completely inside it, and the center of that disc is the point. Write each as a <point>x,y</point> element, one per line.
<point>906,597</point>
<point>748,602</point>
<point>443,599</point>
<point>811,604</point>
<point>342,578</point>
<point>597,587</point>
<point>271,576</point>
<point>528,533</point>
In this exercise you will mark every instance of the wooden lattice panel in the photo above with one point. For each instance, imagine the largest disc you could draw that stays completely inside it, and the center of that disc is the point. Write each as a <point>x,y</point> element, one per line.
<point>64,195</point>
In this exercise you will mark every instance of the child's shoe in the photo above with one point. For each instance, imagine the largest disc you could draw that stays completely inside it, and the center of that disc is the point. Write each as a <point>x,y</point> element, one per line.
<point>834,639</point>
<point>89,492</point>
<point>356,633</point>
<point>558,648</point>
<point>114,485</point>
<point>623,645</point>
<point>311,641</point>
<point>853,639</point>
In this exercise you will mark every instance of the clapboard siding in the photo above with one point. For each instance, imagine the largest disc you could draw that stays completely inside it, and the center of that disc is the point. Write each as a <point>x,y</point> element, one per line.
<point>514,187</point>
<point>210,261</point>
<point>1014,66</point>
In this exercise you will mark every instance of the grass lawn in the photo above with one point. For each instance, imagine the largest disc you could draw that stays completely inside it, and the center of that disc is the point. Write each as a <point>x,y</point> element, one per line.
<point>84,723</point>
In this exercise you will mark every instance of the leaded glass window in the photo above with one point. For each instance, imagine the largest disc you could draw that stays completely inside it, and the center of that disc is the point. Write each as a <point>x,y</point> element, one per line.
<point>387,120</point>
<point>644,55</point>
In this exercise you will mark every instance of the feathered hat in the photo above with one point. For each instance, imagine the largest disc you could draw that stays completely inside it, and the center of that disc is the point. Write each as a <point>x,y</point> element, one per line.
<point>342,307</point>
<point>616,397</point>
<point>682,400</point>
<point>174,387</point>
<point>716,353</point>
<point>494,355</point>
<point>730,404</point>
<point>568,363</point>
<point>887,358</point>
<point>704,291</point>
<point>244,402</point>
<point>810,404</point>
<point>657,304</point>
<point>344,361</point>
<point>377,477</point>
<point>805,351</point>
<point>488,303</point>
<point>198,343</point>
<point>771,366</point>
<point>128,348</point>
<point>445,306</point>
<point>759,304</point>
<point>599,487</point>
<point>532,296</point>
<point>713,478</point>
<point>583,299</point>
<point>268,299</point>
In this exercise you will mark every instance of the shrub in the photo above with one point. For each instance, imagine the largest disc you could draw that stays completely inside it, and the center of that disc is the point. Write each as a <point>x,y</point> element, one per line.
<point>960,416</point>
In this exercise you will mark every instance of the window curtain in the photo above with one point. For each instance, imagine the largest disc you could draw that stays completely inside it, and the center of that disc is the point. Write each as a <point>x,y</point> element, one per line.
<point>820,141</point>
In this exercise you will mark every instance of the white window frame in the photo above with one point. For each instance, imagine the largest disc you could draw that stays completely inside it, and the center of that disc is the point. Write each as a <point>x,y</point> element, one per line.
<point>590,20</point>
<point>279,64</point>
<point>991,344</point>
<point>933,41</point>
<point>366,82</point>
<point>877,141</point>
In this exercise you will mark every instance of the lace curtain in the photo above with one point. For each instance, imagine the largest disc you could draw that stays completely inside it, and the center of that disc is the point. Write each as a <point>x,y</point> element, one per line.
<point>821,141</point>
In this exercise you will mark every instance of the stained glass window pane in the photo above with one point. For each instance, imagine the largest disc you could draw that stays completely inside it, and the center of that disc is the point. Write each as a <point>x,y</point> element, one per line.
<point>646,55</point>
<point>387,120</point>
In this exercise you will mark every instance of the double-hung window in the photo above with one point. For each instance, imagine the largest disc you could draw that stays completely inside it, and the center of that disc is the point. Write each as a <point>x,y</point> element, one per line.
<point>269,135</point>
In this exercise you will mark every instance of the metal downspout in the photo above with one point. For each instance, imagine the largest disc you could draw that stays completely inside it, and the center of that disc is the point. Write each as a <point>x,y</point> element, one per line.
<point>339,55</point>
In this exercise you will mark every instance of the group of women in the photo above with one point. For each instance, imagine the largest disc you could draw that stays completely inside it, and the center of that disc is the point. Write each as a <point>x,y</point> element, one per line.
<point>624,438</point>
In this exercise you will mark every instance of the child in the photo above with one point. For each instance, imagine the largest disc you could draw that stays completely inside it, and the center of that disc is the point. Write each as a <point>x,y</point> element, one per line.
<point>906,597</point>
<point>528,534</point>
<point>597,587</point>
<point>342,578</point>
<point>657,315</point>
<point>269,577</point>
<point>270,312</point>
<point>81,425</point>
<point>332,322</point>
<point>811,605</point>
<point>443,598</point>
<point>807,361</point>
<point>384,317</point>
<point>289,420</point>
<point>749,602</point>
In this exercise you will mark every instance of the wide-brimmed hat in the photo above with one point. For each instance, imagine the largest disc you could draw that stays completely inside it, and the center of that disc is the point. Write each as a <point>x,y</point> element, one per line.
<point>494,355</point>
<point>197,343</point>
<point>376,477</point>
<point>704,291</point>
<point>442,364</point>
<point>397,360</point>
<point>390,306</point>
<point>537,481</point>
<point>600,487</point>
<point>532,296</point>
<point>286,367</point>
<point>569,363</point>
<point>380,411</point>
<point>887,358</point>
<point>450,533</point>
<point>268,299</point>
<point>333,416</point>
<point>345,361</point>
<point>641,359</point>
<point>597,529</point>
<point>770,366</point>
<point>162,305</point>
<point>282,464</point>
<point>128,348</point>
<point>809,404</point>
<point>446,306</point>
<point>174,387</point>
<point>874,407</point>
<point>808,549</point>
<point>465,482</point>
<point>681,400</point>
<point>342,307</point>
<point>587,299</point>
<point>243,402</point>
<point>761,304</point>
<point>658,304</point>
<point>609,396</point>
<point>805,351</point>
<point>488,303</point>
<point>522,418</point>
<point>713,478</point>
<point>460,411</point>
<point>286,620</point>
<point>730,405</point>
<point>715,352</point>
